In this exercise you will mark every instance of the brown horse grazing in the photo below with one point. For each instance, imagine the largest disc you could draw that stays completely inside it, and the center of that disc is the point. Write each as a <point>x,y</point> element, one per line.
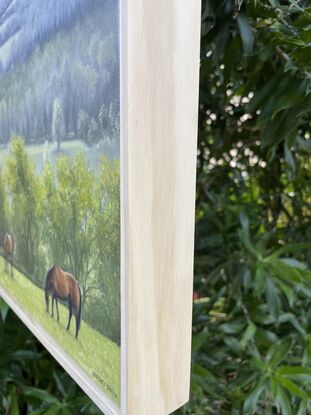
<point>63,286</point>
<point>8,248</point>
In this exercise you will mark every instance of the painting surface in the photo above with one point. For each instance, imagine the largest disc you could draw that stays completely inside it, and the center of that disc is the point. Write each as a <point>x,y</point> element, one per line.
<point>59,175</point>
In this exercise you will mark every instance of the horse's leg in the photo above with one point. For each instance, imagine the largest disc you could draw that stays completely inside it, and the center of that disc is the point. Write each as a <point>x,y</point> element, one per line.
<point>70,313</point>
<point>53,305</point>
<point>47,302</point>
<point>76,316</point>
<point>57,310</point>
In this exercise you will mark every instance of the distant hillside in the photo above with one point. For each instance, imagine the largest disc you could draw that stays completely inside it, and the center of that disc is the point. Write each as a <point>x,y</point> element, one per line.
<point>61,71</point>
<point>24,24</point>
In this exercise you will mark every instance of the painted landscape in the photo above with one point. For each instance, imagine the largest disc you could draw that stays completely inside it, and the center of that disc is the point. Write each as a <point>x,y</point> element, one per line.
<point>60,174</point>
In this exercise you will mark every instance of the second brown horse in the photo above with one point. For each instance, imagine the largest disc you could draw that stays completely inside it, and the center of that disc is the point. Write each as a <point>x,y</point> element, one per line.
<point>8,248</point>
<point>63,286</point>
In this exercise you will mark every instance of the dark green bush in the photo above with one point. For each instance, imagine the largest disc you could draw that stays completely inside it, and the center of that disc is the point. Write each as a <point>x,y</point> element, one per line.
<point>31,381</point>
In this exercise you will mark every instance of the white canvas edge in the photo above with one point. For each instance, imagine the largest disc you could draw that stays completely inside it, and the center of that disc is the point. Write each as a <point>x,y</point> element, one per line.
<point>123,26</point>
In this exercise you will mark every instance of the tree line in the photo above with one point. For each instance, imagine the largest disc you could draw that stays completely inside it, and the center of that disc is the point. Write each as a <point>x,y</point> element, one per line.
<point>69,216</point>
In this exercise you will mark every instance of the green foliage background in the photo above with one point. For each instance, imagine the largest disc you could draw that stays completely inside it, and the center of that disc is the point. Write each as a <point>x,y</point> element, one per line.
<point>251,325</point>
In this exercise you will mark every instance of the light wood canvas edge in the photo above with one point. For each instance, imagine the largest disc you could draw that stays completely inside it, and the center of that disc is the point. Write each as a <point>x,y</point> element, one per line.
<point>123,24</point>
<point>161,97</point>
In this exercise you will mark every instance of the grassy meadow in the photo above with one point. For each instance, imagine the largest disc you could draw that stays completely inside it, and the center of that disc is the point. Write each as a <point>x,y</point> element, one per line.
<point>96,354</point>
<point>39,153</point>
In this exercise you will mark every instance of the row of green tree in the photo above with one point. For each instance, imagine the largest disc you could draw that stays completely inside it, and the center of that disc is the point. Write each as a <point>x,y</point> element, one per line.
<point>70,216</point>
<point>104,127</point>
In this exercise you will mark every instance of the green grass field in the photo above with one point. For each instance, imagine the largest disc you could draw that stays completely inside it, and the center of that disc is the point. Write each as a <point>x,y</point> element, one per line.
<point>40,153</point>
<point>97,355</point>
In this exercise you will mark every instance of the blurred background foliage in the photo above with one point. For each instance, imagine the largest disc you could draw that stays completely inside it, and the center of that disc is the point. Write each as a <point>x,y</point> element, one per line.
<point>251,319</point>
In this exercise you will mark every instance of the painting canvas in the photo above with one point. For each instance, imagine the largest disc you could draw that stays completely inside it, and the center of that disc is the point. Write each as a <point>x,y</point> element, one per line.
<point>60,179</point>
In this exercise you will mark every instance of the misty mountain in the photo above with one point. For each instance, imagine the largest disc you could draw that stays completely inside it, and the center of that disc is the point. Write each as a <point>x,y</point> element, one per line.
<point>25,24</point>
<point>60,70</point>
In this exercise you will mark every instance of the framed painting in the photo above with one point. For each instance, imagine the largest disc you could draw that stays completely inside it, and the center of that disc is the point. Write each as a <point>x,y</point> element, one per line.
<point>98,108</point>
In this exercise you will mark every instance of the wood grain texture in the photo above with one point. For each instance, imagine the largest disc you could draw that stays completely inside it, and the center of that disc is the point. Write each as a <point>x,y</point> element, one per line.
<point>160,88</point>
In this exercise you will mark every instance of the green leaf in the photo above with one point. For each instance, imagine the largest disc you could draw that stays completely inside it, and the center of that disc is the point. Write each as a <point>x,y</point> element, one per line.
<point>274,3</point>
<point>4,309</point>
<point>59,384</point>
<point>293,263</point>
<point>25,355</point>
<point>302,410</point>
<point>292,94</point>
<point>244,222</point>
<point>233,344</point>
<point>292,387</point>
<point>289,158</point>
<point>284,401</point>
<point>260,279</point>
<point>265,337</point>
<point>198,341</point>
<point>273,298</point>
<point>246,34</point>
<point>278,352</point>
<point>302,55</point>
<point>252,399</point>
<point>292,319</point>
<point>52,410</point>
<point>284,270</point>
<point>265,91</point>
<point>248,334</point>
<point>231,56</point>
<point>272,133</point>
<point>274,386</point>
<point>247,243</point>
<point>288,291</point>
<point>233,327</point>
<point>298,373</point>
<point>14,410</point>
<point>199,370</point>
<point>40,394</point>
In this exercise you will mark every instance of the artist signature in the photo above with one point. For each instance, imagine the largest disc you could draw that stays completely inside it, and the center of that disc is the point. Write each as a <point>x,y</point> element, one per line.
<point>102,382</point>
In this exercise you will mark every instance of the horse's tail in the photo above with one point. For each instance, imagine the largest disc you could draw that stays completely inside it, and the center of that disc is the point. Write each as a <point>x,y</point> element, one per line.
<point>47,288</point>
<point>80,308</point>
<point>4,243</point>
